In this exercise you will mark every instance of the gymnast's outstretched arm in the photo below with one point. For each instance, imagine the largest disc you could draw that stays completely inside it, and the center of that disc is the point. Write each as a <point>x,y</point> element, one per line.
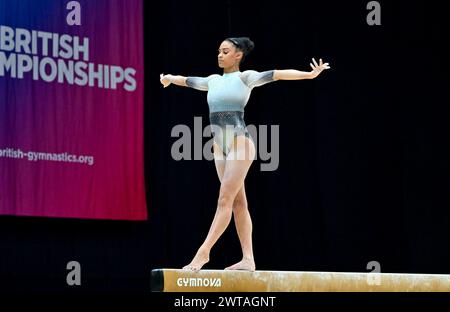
<point>166,80</point>
<point>199,83</point>
<point>293,74</point>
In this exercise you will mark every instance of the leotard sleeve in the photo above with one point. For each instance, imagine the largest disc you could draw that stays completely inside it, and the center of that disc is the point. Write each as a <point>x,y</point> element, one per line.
<point>253,78</point>
<point>199,83</point>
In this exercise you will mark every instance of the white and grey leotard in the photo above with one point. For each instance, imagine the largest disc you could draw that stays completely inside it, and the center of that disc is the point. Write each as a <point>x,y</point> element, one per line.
<point>227,96</point>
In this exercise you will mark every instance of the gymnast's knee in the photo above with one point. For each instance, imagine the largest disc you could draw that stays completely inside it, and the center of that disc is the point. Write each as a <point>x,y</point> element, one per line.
<point>239,204</point>
<point>226,199</point>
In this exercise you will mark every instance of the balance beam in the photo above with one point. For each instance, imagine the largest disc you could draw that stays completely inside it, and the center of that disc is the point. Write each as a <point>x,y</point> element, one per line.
<point>175,280</point>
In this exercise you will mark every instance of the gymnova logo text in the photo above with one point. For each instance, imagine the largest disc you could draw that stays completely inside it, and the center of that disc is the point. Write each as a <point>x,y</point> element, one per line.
<point>199,282</point>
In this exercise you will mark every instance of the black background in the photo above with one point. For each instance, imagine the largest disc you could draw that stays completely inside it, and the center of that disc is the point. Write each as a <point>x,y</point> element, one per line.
<point>364,158</point>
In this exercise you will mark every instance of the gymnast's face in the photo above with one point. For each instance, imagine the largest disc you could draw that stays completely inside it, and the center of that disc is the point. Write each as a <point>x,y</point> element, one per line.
<point>228,55</point>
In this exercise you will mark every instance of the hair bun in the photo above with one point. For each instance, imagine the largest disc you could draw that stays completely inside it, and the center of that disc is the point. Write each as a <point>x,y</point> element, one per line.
<point>243,43</point>
<point>247,44</point>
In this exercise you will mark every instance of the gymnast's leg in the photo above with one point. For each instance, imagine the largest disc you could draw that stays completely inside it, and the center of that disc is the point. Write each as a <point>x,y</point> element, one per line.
<point>244,227</point>
<point>238,162</point>
<point>242,218</point>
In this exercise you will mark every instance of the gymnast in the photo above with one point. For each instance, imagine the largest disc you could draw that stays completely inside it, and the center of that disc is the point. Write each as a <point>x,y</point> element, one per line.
<point>233,147</point>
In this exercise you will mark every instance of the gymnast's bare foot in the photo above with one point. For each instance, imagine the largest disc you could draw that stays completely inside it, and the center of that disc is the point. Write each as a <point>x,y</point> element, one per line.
<point>200,259</point>
<point>246,264</point>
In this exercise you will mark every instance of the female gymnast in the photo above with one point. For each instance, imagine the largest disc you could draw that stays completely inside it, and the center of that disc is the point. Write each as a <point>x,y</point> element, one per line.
<point>233,147</point>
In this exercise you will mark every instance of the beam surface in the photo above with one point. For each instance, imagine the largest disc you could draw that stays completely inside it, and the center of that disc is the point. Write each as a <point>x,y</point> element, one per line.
<point>176,280</point>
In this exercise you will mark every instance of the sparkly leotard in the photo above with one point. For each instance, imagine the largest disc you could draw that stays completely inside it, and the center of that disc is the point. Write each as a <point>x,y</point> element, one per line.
<point>227,96</point>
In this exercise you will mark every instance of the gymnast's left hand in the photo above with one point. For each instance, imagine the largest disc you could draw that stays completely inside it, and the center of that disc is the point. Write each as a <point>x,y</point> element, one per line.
<point>318,68</point>
<point>164,79</point>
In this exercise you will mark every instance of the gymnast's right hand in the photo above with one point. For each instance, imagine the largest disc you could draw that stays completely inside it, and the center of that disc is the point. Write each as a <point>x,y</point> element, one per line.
<point>165,80</point>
